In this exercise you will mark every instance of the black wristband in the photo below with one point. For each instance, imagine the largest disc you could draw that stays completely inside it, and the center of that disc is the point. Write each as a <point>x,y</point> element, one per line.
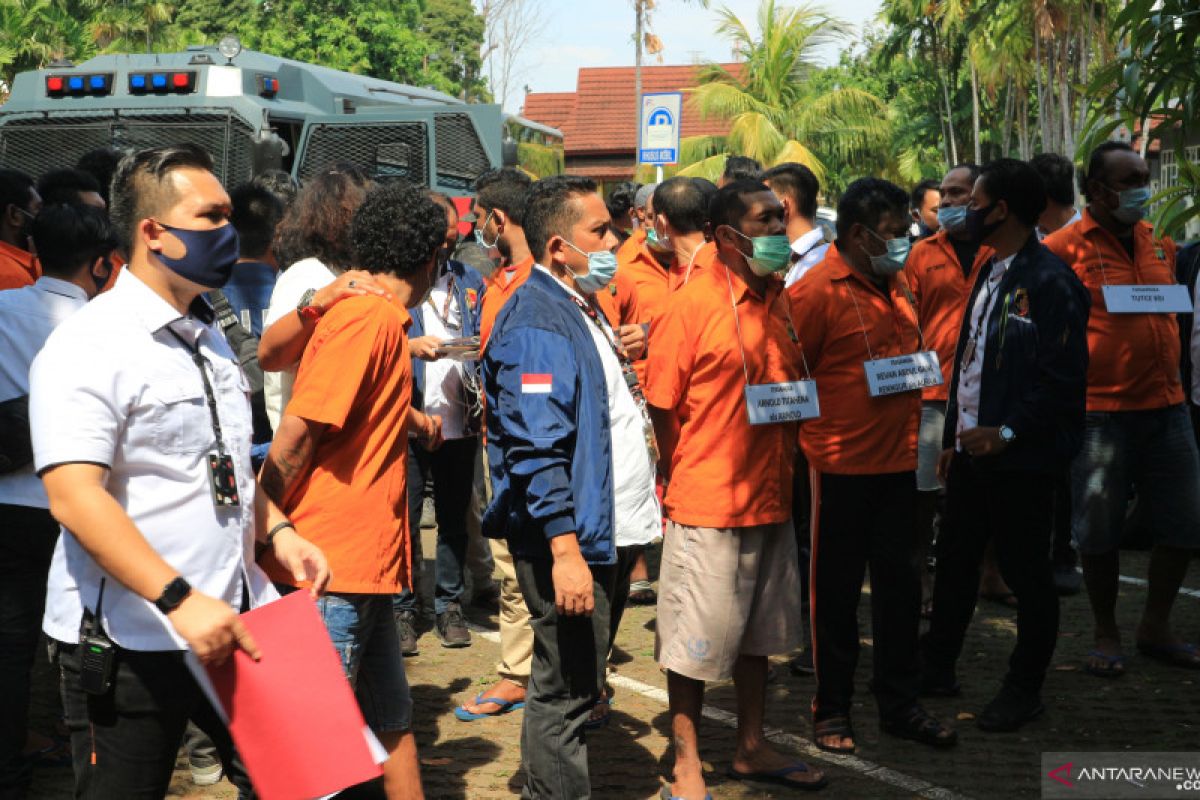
<point>173,594</point>
<point>271,533</point>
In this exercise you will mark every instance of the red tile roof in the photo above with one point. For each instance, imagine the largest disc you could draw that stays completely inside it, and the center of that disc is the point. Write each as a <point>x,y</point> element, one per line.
<point>603,115</point>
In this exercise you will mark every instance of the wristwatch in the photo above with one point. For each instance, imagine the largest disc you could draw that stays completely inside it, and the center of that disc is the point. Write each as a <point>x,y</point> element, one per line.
<point>173,594</point>
<point>308,311</point>
<point>1007,434</point>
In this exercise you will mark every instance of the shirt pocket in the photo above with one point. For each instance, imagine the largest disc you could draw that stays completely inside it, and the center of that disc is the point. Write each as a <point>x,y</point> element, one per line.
<point>180,418</point>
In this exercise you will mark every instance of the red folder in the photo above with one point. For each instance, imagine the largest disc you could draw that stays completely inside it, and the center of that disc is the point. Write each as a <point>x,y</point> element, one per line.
<point>293,715</point>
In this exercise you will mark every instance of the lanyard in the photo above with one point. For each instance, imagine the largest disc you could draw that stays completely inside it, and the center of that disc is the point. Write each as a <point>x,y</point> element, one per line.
<point>912,302</point>
<point>444,314</point>
<point>687,276</point>
<point>199,360</point>
<point>627,372</point>
<point>737,324</point>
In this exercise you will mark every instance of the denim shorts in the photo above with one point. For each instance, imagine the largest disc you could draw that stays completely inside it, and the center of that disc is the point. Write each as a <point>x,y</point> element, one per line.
<point>929,445</point>
<point>364,634</point>
<point>1152,452</point>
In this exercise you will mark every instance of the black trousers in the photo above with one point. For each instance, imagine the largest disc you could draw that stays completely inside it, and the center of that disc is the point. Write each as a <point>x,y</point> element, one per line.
<point>27,538</point>
<point>569,658</point>
<point>1015,510</point>
<point>861,521</point>
<point>124,743</point>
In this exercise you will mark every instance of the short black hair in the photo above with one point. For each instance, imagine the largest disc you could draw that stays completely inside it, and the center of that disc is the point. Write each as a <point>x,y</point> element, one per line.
<point>1018,184</point>
<point>550,210</point>
<point>397,229</point>
<point>65,186</point>
<point>279,183</point>
<point>866,200</point>
<point>729,204</point>
<point>621,199</point>
<point>970,166</point>
<point>740,168</point>
<point>140,188</point>
<point>683,203</point>
<point>101,164</point>
<point>797,182</point>
<point>1058,175</point>
<point>1097,163</point>
<point>916,198</point>
<point>69,236</point>
<point>16,189</point>
<point>256,213</point>
<point>507,189</point>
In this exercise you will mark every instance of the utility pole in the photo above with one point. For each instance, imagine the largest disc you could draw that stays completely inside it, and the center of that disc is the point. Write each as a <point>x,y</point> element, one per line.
<point>639,32</point>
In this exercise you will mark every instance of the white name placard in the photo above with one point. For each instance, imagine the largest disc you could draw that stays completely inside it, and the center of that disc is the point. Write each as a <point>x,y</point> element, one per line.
<point>1167,298</point>
<point>903,373</point>
<point>771,403</point>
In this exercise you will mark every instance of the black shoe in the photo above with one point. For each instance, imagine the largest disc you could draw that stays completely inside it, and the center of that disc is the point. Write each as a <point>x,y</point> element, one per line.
<point>1009,710</point>
<point>406,627</point>
<point>919,725</point>
<point>938,683</point>
<point>802,664</point>
<point>1067,580</point>
<point>451,627</point>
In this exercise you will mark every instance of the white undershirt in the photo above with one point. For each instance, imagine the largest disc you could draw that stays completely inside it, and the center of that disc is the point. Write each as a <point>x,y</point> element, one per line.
<point>443,378</point>
<point>971,376</point>
<point>638,518</point>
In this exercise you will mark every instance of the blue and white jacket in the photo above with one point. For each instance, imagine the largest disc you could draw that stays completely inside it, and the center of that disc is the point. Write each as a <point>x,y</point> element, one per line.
<point>549,437</point>
<point>468,293</point>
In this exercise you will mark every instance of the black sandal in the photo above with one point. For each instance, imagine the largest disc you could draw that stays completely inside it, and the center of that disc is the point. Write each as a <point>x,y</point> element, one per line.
<point>834,726</point>
<point>919,725</point>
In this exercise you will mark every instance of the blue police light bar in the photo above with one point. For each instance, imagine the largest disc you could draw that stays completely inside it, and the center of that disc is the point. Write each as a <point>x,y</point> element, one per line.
<point>268,87</point>
<point>158,81</point>
<point>75,83</point>
<point>98,83</point>
<point>137,83</point>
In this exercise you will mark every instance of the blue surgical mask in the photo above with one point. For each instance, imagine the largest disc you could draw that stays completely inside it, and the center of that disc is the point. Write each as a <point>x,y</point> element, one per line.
<point>209,255</point>
<point>479,234</point>
<point>952,218</point>
<point>893,260</point>
<point>602,268</point>
<point>771,253</point>
<point>1133,204</point>
<point>656,242</point>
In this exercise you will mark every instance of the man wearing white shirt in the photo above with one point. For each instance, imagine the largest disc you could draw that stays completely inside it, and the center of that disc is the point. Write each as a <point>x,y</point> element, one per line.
<point>74,245</point>
<point>797,187</point>
<point>141,433</point>
<point>1014,419</point>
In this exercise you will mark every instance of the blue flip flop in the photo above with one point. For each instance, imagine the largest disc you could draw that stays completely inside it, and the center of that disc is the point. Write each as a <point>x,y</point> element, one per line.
<point>665,794</point>
<point>1179,654</point>
<point>502,707</point>
<point>778,777</point>
<point>1114,666</point>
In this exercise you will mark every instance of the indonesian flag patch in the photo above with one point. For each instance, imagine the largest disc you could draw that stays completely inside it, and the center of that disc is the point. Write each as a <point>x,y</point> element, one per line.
<point>535,383</point>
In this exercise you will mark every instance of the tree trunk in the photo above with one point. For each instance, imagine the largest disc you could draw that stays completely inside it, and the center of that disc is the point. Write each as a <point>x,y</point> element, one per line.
<point>975,113</point>
<point>1043,105</point>
<point>1023,130</point>
<point>1009,111</point>
<point>1065,105</point>
<point>940,67</point>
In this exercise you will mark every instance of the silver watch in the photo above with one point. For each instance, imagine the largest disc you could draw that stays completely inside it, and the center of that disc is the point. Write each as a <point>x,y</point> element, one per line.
<point>1008,434</point>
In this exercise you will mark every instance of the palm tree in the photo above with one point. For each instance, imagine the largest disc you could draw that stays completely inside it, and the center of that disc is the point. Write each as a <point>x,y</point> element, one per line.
<point>774,114</point>
<point>131,25</point>
<point>35,32</point>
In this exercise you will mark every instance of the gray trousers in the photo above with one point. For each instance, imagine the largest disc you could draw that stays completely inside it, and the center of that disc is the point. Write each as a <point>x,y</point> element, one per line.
<point>569,658</point>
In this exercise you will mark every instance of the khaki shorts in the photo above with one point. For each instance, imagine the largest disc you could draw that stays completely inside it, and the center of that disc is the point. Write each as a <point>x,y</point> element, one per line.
<point>723,593</point>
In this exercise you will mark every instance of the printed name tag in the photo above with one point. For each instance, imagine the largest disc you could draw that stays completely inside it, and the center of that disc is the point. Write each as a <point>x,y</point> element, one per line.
<point>903,373</point>
<point>1162,299</point>
<point>769,403</point>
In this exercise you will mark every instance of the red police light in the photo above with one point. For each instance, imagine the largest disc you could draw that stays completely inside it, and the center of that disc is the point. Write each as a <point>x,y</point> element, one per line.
<point>54,84</point>
<point>179,80</point>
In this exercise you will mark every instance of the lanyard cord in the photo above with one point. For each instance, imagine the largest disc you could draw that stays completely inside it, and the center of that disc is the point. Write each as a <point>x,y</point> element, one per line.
<point>630,375</point>
<point>444,314</point>
<point>687,276</point>
<point>737,324</point>
<point>199,360</point>
<point>912,302</point>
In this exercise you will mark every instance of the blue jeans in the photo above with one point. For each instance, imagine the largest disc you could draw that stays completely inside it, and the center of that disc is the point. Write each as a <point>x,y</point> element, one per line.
<point>1153,451</point>
<point>364,635</point>
<point>451,468</point>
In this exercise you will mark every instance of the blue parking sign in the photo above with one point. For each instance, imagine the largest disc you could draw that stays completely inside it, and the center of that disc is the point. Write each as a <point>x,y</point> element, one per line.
<point>658,137</point>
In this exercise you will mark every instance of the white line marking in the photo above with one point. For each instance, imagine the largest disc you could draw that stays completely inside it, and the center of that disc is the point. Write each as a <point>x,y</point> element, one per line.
<point>869,769</point>
<point>1140,582</point>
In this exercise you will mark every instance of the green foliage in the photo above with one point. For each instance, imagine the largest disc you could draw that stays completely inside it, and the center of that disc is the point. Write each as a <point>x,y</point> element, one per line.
<point>432,43</point>
<point>1153,80</point>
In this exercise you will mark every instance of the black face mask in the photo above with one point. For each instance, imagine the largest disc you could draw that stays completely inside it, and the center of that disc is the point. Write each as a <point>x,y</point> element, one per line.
<point>977,230</point>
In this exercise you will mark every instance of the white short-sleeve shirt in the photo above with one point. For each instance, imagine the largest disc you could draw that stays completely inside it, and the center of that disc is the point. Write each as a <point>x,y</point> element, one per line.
<point>442,318</point>
<point>114,386</point>
<point>27,317</point>
<point>293,282</point>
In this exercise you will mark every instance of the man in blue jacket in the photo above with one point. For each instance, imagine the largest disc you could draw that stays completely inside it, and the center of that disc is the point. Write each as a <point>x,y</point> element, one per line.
<point>562,403</point>
<point>447,389</point>
<point>1014,419</point>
